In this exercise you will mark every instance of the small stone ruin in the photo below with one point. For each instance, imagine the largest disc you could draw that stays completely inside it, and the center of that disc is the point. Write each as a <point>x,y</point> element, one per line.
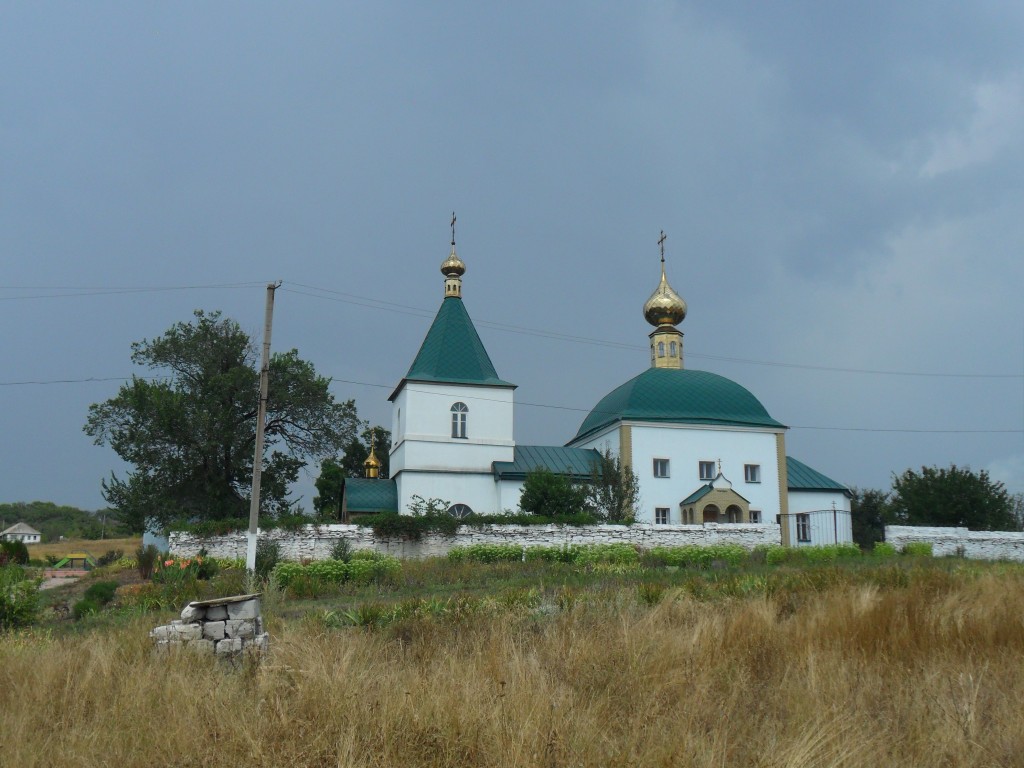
<point>226,627</point>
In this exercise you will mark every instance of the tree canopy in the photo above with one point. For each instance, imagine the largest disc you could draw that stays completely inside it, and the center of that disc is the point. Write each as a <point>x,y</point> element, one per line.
<point>334,470</point>
<point>190,433</point>
<point>614,491</point>
<point>952,497</point>
<point>548,494</point>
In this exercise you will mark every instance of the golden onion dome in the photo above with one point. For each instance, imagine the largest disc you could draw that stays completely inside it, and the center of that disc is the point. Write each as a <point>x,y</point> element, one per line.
<point>453,266</point>
<point>665,307</point>
<point>372,461</point>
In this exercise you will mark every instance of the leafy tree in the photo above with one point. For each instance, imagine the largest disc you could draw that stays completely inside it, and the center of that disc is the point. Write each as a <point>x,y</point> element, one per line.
<point>952,497</point>
<point>358,449</point>
<point>190,434</point>
<point>327,502</point>
<point>545,493</point>
<point>333,471</point>
<point>614,491</point>
<point>869,512</point>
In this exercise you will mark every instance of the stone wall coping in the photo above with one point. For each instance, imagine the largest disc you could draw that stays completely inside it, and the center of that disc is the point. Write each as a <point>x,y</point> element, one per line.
<point>223,600</point>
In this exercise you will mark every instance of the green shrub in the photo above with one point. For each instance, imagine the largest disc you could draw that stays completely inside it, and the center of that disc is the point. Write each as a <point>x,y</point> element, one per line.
<point>286,573</point>
<point>883,549</point>
<point>917,549</point>
<point>615,554</point>
<point>817,555</point>
<point>13,552</point>
<point>385,569</point>
<point>147,558</point>
<point>332,571</point>
<point>84,607</point>
<point>342,550</point>
<point>102,592</point>
<point>19,598</point>
<point>486,553</point>
<point>268,552</point>
<point>698,556</point>
<point>109,557</point>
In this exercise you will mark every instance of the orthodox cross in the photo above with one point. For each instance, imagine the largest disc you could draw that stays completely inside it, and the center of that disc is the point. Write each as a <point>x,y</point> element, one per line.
<point>661,244</point>
<point>453,227</point>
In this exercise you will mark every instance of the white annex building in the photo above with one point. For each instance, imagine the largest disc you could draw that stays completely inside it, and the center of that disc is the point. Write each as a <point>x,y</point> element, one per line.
<point>703,447</point>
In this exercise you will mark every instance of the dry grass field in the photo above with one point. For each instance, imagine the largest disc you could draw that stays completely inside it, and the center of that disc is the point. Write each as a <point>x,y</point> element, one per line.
<point>926,672</point>
<point>94,547</point>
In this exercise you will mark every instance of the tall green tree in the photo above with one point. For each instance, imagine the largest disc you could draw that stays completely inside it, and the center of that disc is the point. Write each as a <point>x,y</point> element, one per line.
<point>358,449</point>
<point>614,490</point>
<point>952,497</point>
<point>869,513</point>
<point>335,470</point>
<point>190,433</point>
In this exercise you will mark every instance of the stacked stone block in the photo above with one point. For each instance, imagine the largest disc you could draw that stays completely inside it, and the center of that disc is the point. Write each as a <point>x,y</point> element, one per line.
<point>226,627</point>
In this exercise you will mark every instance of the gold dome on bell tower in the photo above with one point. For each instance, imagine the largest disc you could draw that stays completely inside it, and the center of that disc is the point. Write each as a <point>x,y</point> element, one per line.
<point>665,310</point>
<point>453,268</point>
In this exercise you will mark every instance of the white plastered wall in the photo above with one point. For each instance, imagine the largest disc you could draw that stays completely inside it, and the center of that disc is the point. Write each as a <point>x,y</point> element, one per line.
<point>687,445</point>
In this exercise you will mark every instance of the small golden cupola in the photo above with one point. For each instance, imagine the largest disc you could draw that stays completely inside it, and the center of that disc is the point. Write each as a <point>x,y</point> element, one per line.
<point>665,310</point>
<point>371,466</point>
<point>453,268</point>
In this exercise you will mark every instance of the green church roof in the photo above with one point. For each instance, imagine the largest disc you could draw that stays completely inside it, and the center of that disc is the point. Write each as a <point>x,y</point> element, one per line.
<point>679,396</point>
<point>577,462</point>
<point>800,477</point>
<point>371,495</point>
<point>452,351</point>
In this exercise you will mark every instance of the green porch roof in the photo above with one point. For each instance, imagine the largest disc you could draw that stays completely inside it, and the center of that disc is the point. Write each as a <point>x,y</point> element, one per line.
<point>452,351</point>
<point>371,495</point>
<point>800,477</point>
<point>578,462</point>
<point>679,396</point>
<point>697,495</point>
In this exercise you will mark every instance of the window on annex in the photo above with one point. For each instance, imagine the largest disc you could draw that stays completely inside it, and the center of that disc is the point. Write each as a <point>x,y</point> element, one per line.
<point>661,515</point>
<point>661,467</point>
<point>459,411</point>
<point>755,515</point>
<point>752,473</point>
<point>707,470</point>
<point>460,511</point>
<point>803,527</point>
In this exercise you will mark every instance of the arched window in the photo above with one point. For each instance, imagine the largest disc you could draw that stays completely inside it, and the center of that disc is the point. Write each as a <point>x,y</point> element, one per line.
<point>460,511</point>
<point>661,349</point>
<point>459,411</point>
<point>671,349</point>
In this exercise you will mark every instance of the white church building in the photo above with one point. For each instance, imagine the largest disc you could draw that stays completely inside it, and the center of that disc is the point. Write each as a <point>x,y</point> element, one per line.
<point>704,448</point>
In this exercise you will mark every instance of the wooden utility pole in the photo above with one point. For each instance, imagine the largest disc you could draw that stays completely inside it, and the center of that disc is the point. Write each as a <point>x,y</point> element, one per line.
<point>261,418</point>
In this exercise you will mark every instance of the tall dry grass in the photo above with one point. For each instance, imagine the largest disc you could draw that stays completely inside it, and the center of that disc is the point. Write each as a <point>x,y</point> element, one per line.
<point>930,674</point>
<point>94,547</point>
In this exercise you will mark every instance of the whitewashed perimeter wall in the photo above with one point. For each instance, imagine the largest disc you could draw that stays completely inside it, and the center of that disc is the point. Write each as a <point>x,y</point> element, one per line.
<point>979,545</point>
<point>316,542</point>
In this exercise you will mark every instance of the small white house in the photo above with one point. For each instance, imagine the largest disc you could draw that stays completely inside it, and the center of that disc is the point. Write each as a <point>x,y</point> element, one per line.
<point>22,532</point>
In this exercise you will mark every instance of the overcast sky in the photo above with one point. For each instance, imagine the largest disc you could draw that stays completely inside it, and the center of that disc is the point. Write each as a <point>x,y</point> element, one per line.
<point>842,186</point>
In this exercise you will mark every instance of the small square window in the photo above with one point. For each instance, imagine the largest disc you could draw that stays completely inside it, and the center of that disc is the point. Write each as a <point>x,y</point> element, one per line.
<point>661,515</point>
<point>707,470</point>
<point>752,473</point>
<point>661,467</point>
<point>755,515</point>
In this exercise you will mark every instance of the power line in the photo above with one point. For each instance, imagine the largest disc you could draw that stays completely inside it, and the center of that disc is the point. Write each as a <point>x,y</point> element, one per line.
<point>591,410</point>
<point>541,405</point>
<point>327,294</point>
<point>70,292</point>
<point>347,298</point>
